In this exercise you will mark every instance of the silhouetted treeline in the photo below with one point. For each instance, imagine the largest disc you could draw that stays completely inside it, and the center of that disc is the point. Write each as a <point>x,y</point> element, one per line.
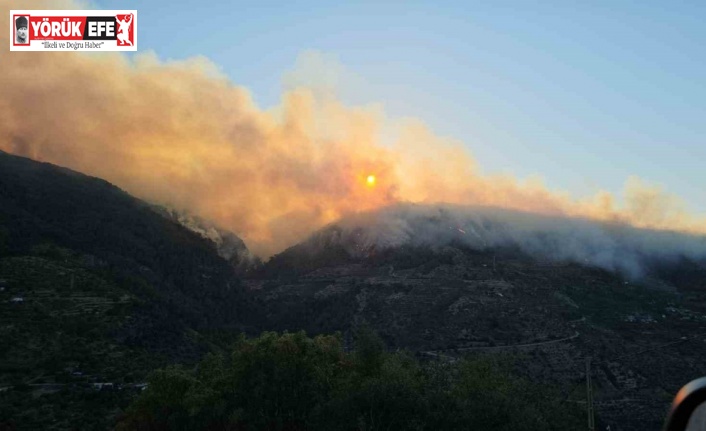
<point>292,382</point>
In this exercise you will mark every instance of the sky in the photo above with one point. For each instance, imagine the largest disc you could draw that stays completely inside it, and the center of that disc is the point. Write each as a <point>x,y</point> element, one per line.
<point>266,119</point>
<point>581,94</point>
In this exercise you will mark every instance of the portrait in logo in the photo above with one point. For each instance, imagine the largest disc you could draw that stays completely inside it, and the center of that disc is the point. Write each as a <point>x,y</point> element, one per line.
<point>21,30</point>
<point>124,26</point>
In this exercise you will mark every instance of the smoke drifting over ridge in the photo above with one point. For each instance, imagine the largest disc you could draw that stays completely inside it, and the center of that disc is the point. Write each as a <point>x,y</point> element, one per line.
<point>612,246</point>
<point>182,135</point>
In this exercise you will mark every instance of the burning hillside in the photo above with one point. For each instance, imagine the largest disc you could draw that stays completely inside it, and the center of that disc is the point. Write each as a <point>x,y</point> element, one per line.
<point>616,247</point>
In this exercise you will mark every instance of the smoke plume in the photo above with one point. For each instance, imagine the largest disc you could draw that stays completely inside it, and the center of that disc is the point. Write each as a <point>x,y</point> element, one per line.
<point>179,133</point>
<point>612,246</point>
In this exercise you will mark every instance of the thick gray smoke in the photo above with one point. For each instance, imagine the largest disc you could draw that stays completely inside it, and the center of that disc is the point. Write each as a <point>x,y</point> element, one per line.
<point>612,246</point>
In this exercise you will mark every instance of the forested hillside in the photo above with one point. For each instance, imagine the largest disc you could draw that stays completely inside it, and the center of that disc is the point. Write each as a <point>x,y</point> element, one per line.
<point>96,287</point>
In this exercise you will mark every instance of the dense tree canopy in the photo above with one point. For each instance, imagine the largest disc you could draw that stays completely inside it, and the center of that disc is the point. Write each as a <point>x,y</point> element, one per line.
<point>292,382</point>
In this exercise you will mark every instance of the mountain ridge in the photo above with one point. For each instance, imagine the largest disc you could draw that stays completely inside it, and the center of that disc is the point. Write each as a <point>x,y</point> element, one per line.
<point>632,253</point>
<point>98,287</point>
<point>111,289</point>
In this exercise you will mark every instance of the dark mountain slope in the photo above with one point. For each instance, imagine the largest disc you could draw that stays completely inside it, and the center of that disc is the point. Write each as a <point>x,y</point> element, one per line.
<point>96,287</point>
<point>229,246</point>
<point>443,295</point>
<point>148,254</point>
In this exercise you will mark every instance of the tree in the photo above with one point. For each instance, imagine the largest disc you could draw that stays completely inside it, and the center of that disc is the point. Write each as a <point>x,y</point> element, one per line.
<point>369,349</point>
<point>293,382</point>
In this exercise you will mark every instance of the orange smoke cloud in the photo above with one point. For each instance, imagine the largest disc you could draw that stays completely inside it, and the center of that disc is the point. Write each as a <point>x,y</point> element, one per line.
<point>180,134</point>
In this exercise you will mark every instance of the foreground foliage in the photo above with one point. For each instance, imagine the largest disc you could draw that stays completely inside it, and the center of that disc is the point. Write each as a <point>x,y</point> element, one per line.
<point>293,382</point>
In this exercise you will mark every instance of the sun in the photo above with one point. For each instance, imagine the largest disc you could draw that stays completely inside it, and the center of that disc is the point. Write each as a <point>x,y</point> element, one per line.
<point>370,180</point>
